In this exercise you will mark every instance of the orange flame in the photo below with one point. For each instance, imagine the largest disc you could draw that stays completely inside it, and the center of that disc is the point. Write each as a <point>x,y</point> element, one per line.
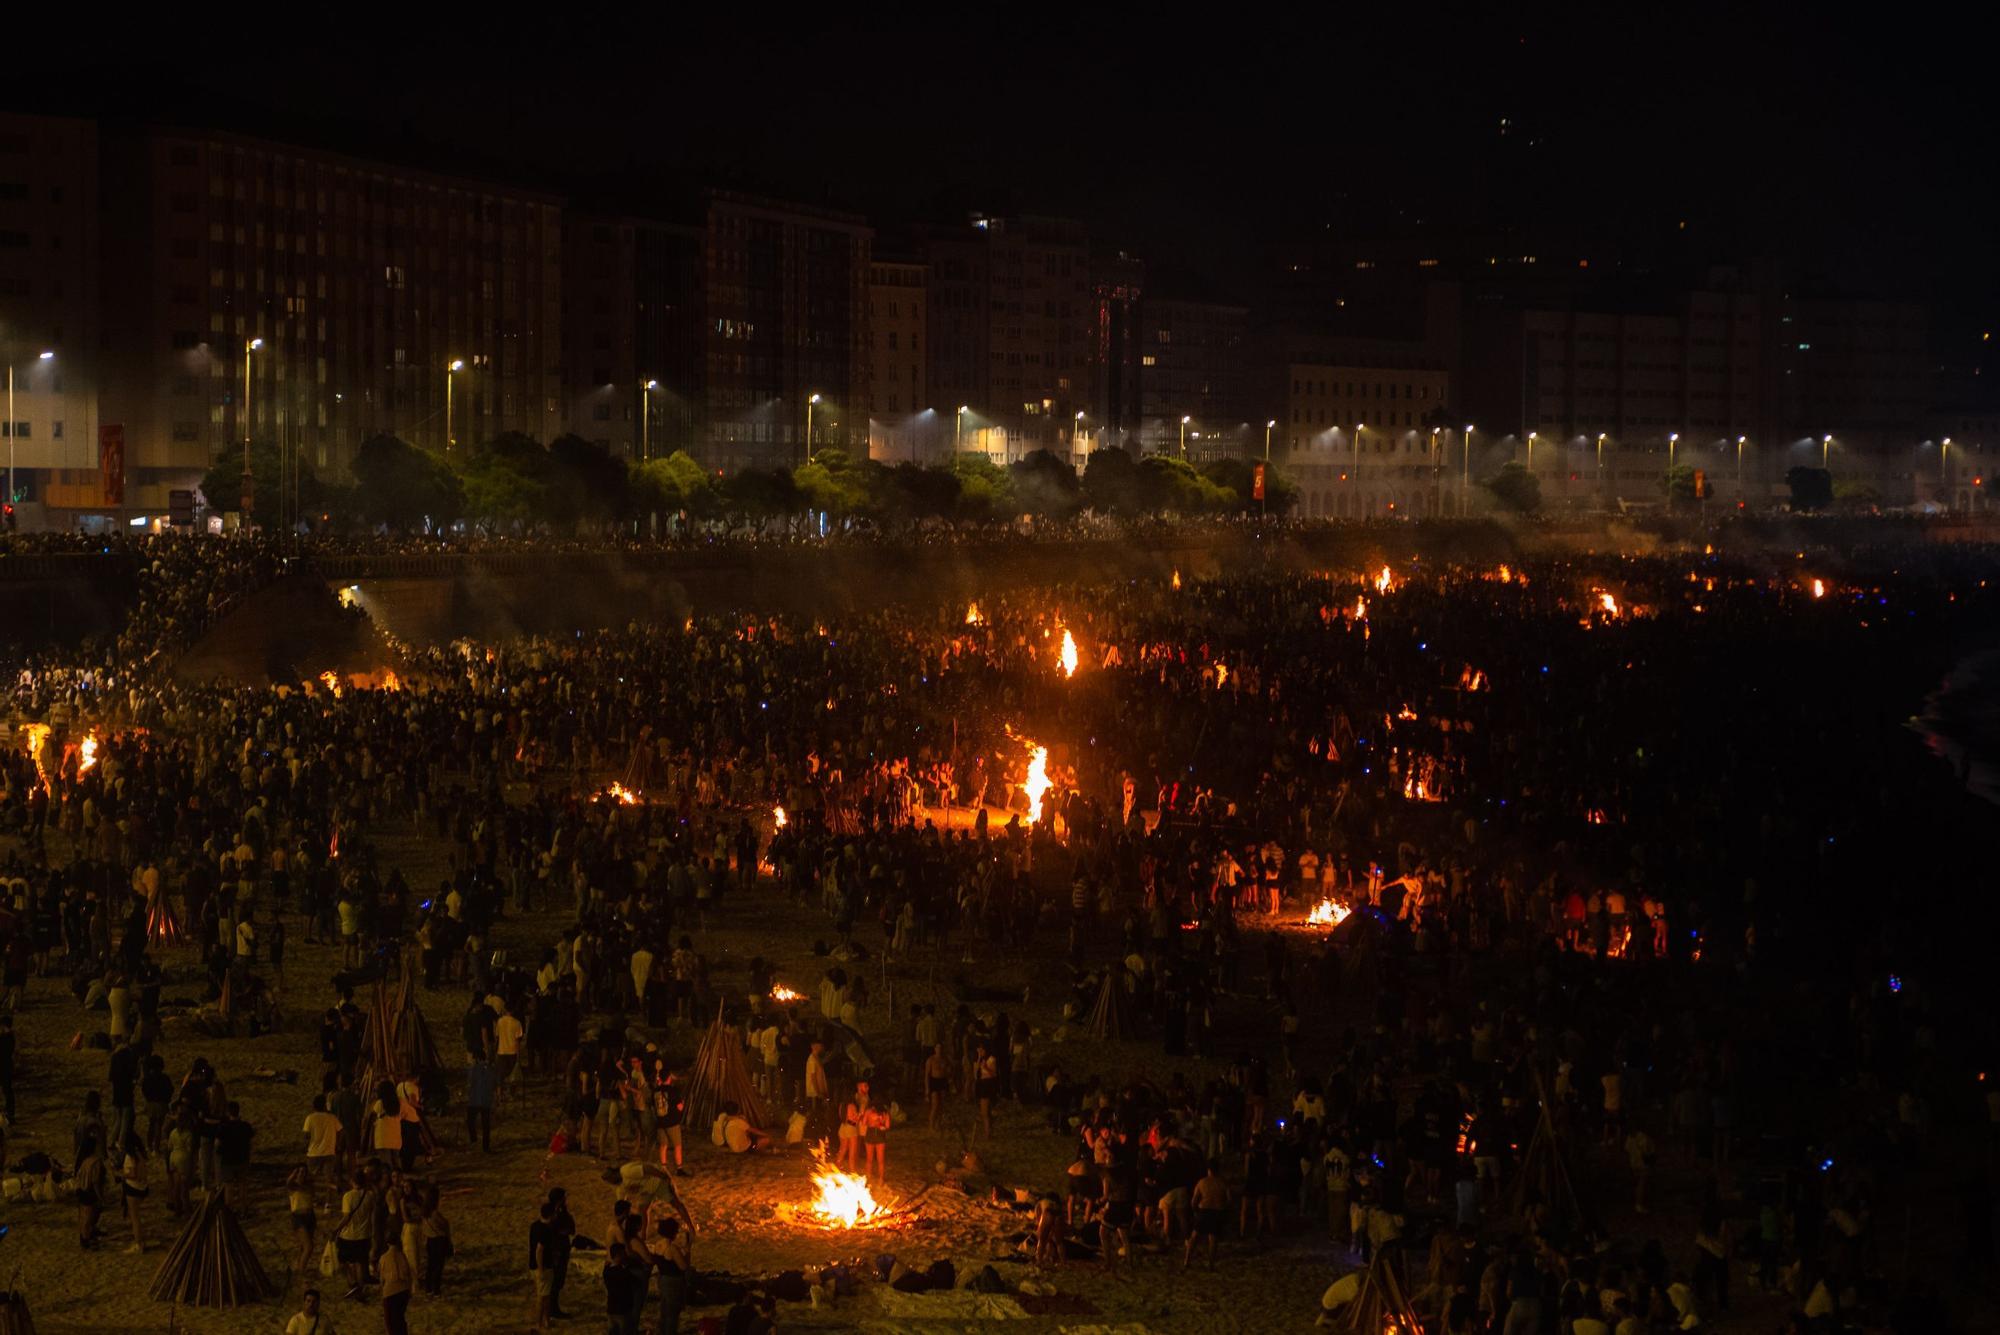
<point>390,681</point>
<point>1360,609</point>
<point>331,680</point>
<point>841,1200</point>
<point>779,820</point>
<point>784,995</point>
<point>1819,588</point>
<point>1328,913</point>
<point>1177,580</point>
<point>1385,581</point>
<point>625,796</point>
<point>973,616</point>
<point>1037,783</point>
<point>1607,603</point>
<point>1068,653</point>
<point>86,755</point>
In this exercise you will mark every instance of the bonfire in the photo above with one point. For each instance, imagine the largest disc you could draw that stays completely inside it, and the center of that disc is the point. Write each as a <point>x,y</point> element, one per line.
<point>1037,782</point>
<point>624,796</point>
<point>784,996</point>
<point>973,616</point>
<point>1385,580</point>
<point>1819,588</point>
<point>1177,580</point>
<point>1328,913</point>
<point>842,1199</point>
<point>1068,653</point>
<point>86,755</point>
<point>779,820</point>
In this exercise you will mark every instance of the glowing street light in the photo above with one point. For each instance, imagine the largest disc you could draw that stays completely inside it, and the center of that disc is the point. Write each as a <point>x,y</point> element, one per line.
<point>646,419</point>
<point>1741,441</point>
<point>958,428</point>
<point>811,402</point>
<point>1825,444</point>
<point>249,489</point>
<point>1531,451</point>
<point>1465,469</point>
<point>1267,438</point>
<point>44,356</point>
<point>1600,456</point>
<point>1185,419</point>
<point>1672,440</point>
<point>1359,427</point>
<point>452,368</point>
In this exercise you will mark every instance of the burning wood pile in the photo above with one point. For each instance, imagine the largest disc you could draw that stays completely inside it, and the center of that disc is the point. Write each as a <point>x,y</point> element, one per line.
<point>841,1199</point>
<point>1328,913</point>
<point>620,794</point>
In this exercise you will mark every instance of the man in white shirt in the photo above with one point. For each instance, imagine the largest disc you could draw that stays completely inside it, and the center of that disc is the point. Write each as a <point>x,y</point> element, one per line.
<point>507,1036</point>
<point>309,1320</point>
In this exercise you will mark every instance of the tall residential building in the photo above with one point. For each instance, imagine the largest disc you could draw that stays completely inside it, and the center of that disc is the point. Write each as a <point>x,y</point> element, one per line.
<point>1193,363</point>
<point>49,299</point>
<point>1111,417</point>
<point>1013,332</point>
<point>785,297</point>
<point>904,426</point>
<point>633,337</point>
<point>365,283</point>
<point>1857,369</point>
<point>1360,425</point>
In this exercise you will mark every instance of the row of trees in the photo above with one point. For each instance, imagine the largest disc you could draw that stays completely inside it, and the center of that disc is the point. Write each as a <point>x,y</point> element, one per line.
<point>513,483</point>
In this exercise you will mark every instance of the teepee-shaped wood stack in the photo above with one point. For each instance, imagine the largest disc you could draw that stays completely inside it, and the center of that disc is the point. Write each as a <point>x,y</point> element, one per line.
<point>416,1052</point>
<point>1383,1305</point>
<point>721,1076</point>
<point>1113,1016</point>
<point>1546,1177</point>
<point>211,1263</point>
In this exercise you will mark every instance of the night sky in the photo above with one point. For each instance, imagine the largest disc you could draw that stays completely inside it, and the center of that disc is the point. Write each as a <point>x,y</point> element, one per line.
<point>1860,157</point>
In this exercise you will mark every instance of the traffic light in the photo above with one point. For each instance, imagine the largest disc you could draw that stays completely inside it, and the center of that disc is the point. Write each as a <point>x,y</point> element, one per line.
<point>7,515</point>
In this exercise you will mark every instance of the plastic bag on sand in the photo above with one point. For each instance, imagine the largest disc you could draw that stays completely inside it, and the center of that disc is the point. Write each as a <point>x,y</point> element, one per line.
<point>795,1130</point>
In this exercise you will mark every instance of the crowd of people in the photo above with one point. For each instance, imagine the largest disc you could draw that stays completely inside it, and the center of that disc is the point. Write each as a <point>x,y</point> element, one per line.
<point>1589,898</point>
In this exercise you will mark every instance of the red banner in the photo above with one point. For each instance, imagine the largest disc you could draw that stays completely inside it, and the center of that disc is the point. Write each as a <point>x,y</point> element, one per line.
<point>111,461</point>
<point>1257,487</point>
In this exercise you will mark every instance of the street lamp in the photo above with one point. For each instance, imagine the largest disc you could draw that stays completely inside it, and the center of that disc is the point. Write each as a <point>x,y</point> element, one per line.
<point>453,368</point>
<point>1359,427</point>
<point>1600,456</point>
<point>1825,444</point>
<point>1076,434</point>
<point>1465,469</point>
<point>1531,451</point>
<point>249,488</point>
<point>1740,441</point>
<point>646,418</point>
<point>1267,438</point>
<point>12,424</point>
<point>1184,425</point>
<point>810,403</point>
<point>958,429</point>
<point>1672,440</point>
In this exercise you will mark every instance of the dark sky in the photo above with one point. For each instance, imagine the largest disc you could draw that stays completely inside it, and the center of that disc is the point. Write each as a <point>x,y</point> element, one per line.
<point>1861,156</point>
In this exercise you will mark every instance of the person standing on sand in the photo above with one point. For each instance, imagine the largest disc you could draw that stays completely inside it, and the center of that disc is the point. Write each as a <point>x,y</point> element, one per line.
<point>542,1263</point>
<point>397,1282</point>
<point>135,1186</point>
<point>1211,1208</point>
